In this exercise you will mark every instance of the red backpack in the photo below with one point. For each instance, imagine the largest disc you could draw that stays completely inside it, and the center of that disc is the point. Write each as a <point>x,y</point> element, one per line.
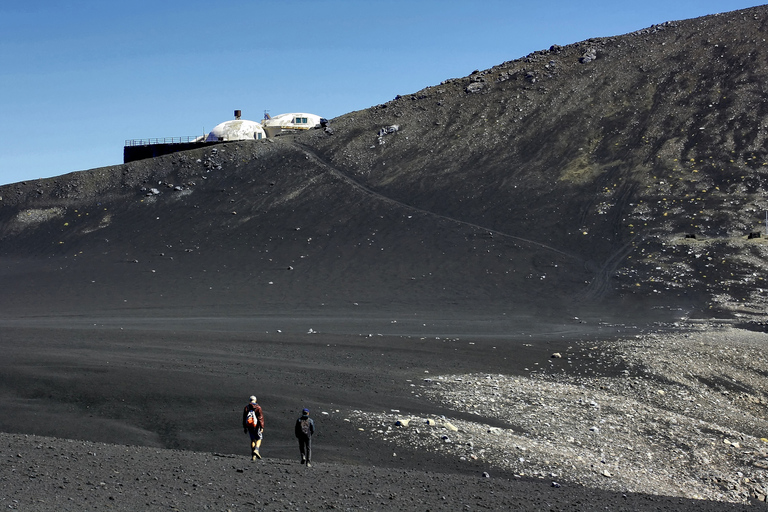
<point>252,419</point>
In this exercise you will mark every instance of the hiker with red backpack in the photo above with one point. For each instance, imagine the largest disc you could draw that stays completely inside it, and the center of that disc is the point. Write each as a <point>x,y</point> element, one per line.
<point>253,424</point>
<point>305,427</point>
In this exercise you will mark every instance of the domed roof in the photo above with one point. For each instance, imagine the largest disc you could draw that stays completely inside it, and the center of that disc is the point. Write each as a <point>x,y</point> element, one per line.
<point>274,125</point>
<point>236,129</point>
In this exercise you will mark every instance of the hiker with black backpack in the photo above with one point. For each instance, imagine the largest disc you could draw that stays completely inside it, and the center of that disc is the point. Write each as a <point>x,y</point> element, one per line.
<point>253,424</point>
<point>305,427</point>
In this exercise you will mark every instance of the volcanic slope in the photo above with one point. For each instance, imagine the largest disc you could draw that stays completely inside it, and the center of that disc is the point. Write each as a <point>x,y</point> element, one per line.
<point>618,177</point>
<point>617,151</point>
<point>579,172</point>
<point>243,227</point>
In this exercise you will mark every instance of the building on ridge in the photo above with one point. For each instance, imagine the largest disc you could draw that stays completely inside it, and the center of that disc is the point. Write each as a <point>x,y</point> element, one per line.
<point>294,121</point>
<point>236,129</point>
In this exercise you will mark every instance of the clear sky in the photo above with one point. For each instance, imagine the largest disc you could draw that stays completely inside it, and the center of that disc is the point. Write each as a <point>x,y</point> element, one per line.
<point>78,77</point>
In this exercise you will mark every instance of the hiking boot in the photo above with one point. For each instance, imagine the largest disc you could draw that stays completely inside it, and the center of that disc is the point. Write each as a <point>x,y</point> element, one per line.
<point>309,465</point>
<point>303,460</point>
<point>253,457</point>
<point>257,454</point>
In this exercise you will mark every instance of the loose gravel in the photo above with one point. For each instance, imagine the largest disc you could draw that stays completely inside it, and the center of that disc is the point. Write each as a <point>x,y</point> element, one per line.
<point>679,414</point>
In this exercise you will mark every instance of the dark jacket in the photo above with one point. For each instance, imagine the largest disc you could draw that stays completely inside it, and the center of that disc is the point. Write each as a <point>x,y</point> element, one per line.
<point>299,433</point>
<point>259,415</point>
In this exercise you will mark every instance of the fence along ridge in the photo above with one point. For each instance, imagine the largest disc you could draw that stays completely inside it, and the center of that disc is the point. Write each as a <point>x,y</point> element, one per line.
<point>165,140</point>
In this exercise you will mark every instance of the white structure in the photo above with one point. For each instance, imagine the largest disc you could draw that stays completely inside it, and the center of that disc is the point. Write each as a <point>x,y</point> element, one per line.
<point>289,122</point>
<point>237,129</point>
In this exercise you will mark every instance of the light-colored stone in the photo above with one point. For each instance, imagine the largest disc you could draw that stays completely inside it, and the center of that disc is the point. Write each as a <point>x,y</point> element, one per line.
<point>672,444</point>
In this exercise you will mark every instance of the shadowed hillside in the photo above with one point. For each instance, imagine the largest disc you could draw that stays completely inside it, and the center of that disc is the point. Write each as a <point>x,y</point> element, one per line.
<point>572,174</point>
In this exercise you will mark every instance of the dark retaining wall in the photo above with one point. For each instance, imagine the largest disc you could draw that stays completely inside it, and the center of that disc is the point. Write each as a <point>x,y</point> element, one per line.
<point>133,153</point>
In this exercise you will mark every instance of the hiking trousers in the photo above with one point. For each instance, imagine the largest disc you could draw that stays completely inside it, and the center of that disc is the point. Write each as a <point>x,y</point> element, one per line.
<point>305,447</point>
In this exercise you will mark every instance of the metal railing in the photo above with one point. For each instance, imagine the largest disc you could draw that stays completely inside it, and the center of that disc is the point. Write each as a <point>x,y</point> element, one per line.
<point>164,140</point>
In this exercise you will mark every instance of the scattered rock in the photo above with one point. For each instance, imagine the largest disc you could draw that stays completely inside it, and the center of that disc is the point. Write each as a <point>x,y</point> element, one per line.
<point>670,444</point>
<point>589,56</point>
<point>475,87</point>
<point>388,130</point>
<point>450,426</point>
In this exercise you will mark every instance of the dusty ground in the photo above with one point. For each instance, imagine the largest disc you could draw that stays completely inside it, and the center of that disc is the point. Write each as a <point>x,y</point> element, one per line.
<point>671,414</point>
<point>643,422</point>
<point>41,473</point>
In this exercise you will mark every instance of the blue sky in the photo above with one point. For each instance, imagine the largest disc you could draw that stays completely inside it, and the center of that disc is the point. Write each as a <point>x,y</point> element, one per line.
<point>78,78</point>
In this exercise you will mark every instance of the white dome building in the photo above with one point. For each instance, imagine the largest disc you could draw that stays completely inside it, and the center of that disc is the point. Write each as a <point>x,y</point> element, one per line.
<point>237,129</point>
<point>290,122</point>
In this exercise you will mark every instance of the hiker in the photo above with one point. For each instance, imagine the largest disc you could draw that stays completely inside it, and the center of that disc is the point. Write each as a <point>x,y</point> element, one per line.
<point>253,424</point>
<point>305,427</point>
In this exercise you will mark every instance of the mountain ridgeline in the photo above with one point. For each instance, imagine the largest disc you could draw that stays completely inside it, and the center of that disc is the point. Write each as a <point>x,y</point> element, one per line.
<point>624,173</point>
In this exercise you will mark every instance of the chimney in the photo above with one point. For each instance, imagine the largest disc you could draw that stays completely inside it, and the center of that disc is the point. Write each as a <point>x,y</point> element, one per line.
<point>237,114</point>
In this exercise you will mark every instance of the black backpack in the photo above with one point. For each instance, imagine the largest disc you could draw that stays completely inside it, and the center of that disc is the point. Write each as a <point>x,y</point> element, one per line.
<point>305,426</point>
